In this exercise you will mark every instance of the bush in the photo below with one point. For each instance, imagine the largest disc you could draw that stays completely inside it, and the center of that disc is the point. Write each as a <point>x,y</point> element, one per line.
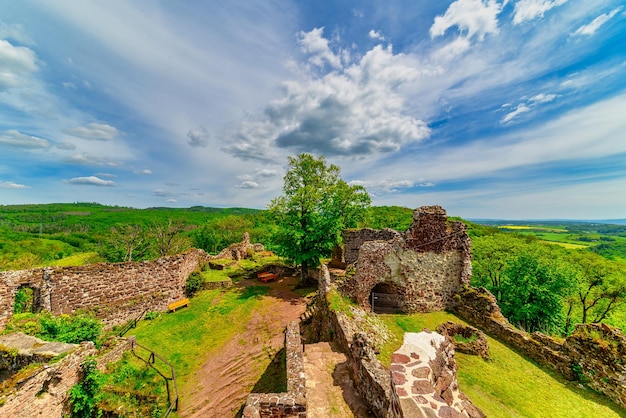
<point>194,283</point>
<point>84,396</point>
<point>70,329</point>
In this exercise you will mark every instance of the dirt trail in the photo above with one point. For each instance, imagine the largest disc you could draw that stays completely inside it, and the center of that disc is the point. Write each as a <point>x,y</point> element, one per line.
<point>329,390</point>
<point>223,383</point>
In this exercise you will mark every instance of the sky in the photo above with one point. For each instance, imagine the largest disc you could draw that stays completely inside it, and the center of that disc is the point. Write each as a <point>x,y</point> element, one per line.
<point>491,109</point>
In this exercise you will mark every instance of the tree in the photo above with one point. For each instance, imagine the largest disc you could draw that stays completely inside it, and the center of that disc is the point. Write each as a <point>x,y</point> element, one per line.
<point>219,233</point>
<point>600,288</point>
<point>126,243</point>
<point>315,207</point>
<point>533,292</point>
<point>167,237</point>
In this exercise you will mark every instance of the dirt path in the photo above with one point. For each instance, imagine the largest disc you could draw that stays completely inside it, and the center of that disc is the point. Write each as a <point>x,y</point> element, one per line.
<point>329,389</point>
<point>223,383</point>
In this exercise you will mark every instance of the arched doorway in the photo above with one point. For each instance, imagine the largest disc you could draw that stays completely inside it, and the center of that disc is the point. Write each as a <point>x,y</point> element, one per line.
<point>384,298</point>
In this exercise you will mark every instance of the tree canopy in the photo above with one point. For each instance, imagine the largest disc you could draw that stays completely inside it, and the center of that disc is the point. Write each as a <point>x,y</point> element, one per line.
<point>315,207</point>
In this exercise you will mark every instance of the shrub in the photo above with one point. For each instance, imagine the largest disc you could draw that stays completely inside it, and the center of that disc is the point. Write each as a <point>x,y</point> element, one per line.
<point>70,329</point>
<point>194,283</point>
<point>84,396</point>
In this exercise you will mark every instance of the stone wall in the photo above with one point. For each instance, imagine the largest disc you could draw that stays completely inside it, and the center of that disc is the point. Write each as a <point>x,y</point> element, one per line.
<point>423,374</point>
<point>354,238</point>
<point>593,353</point>
<point>44,392</point>
<point>424,269</point>
<point>116,292</point>
<point>371,379</point>
<point>293,402</point>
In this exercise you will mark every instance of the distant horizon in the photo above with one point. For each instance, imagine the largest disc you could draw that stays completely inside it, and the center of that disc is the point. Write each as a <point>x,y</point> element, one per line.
<point>617,221</point>
<point>490,108</point>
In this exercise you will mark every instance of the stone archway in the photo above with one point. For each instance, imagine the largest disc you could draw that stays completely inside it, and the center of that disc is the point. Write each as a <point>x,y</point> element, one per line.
<point>385,298</point>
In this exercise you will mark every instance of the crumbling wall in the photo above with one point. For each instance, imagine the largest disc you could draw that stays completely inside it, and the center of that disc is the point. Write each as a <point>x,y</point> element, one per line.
<point>424,379</point>
<point>594,353</point>
<point>427,266</point>
<point>44,392</point>
<point>354,238</point>
<point>293,402</point>
<point>116,292</point>
<point>371,379</point>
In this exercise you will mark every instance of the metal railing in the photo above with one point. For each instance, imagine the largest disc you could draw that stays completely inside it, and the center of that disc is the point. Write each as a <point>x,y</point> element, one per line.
<point>172,389</point>
<point>131,324</point>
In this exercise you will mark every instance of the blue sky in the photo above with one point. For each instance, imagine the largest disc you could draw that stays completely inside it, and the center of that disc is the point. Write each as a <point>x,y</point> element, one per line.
<point>492,109</point>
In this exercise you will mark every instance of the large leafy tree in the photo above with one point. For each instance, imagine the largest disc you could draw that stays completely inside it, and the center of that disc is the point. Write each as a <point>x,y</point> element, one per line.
<point>315,207</point>
<point>534,291</point>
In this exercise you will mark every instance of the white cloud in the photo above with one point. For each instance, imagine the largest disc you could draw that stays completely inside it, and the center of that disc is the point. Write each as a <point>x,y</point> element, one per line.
<point>198,137</point>
<point>84,159</point>
<point>17,63</point>
<point>543,98</point>
<point>521,108</point>
<point>357,110</point>
<point>373,34</point>
<point>92,181</point>
<point>526,10</point>
<point>390,186</point>
<point>16,139</point>
<point>472,17</point>
<point>591,28</point>
<point>248,184</point>
<point>12,185</point>
<point>314,44</point>
<point>96,131</point>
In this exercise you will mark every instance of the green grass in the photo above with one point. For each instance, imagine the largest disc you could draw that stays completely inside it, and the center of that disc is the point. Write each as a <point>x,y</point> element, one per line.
<point>188,336</point>
<point>508,385</point>
<point>79,259</point>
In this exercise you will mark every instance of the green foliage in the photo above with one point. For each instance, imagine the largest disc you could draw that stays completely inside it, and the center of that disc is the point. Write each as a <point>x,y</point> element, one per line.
<point>194,283</point>
<point>533,293</point>
<point>64,328</point>
<point>315,207</point>
<point>84,396</point>
<point>395,217</point>
<point>23,300</point>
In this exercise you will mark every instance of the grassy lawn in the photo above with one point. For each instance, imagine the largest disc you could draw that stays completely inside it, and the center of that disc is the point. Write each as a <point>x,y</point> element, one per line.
<point>508,385</point>
<point>188,336</point>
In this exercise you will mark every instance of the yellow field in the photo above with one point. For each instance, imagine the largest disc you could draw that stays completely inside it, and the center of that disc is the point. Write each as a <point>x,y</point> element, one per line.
<point>536,228</point>
<point>567,245</point>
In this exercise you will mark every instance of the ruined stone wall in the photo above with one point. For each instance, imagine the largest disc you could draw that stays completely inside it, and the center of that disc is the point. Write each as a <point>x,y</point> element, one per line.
<point>371,379</point>
<point>44,393</point>
<point>116,292</point>
<point>354,238</point>
<point>293,402</point>
<point>593,353</point>
<point>425,268</point>
<point>424,378</point>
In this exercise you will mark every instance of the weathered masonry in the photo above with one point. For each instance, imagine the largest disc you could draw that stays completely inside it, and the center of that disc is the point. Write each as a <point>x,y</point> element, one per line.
<point>116,292</point>
<point>420,270</point>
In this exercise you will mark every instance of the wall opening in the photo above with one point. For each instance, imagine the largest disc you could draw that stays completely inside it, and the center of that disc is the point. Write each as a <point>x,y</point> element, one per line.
<point>26,300</point>
<point>384,298</point>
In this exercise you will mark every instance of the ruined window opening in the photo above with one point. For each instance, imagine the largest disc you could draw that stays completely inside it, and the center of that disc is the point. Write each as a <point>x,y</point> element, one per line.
<point>25,300</point>
<point>384,298</point>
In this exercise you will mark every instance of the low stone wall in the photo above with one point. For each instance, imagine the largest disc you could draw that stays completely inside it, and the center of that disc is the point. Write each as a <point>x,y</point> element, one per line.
<point>217,285</point>
<point>593,353</point>
<point>44,392</point>
<point>293,402</point>
<point>116,292</point>
<point>423,374</point>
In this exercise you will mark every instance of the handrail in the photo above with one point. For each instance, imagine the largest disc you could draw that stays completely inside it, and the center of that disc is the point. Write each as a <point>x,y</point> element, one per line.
<point>150,362</point>
<point>131,324</point>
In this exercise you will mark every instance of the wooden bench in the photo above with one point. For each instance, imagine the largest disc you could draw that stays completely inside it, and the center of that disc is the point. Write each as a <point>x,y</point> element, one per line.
<point>267,277</point>
<point>178,304</point>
